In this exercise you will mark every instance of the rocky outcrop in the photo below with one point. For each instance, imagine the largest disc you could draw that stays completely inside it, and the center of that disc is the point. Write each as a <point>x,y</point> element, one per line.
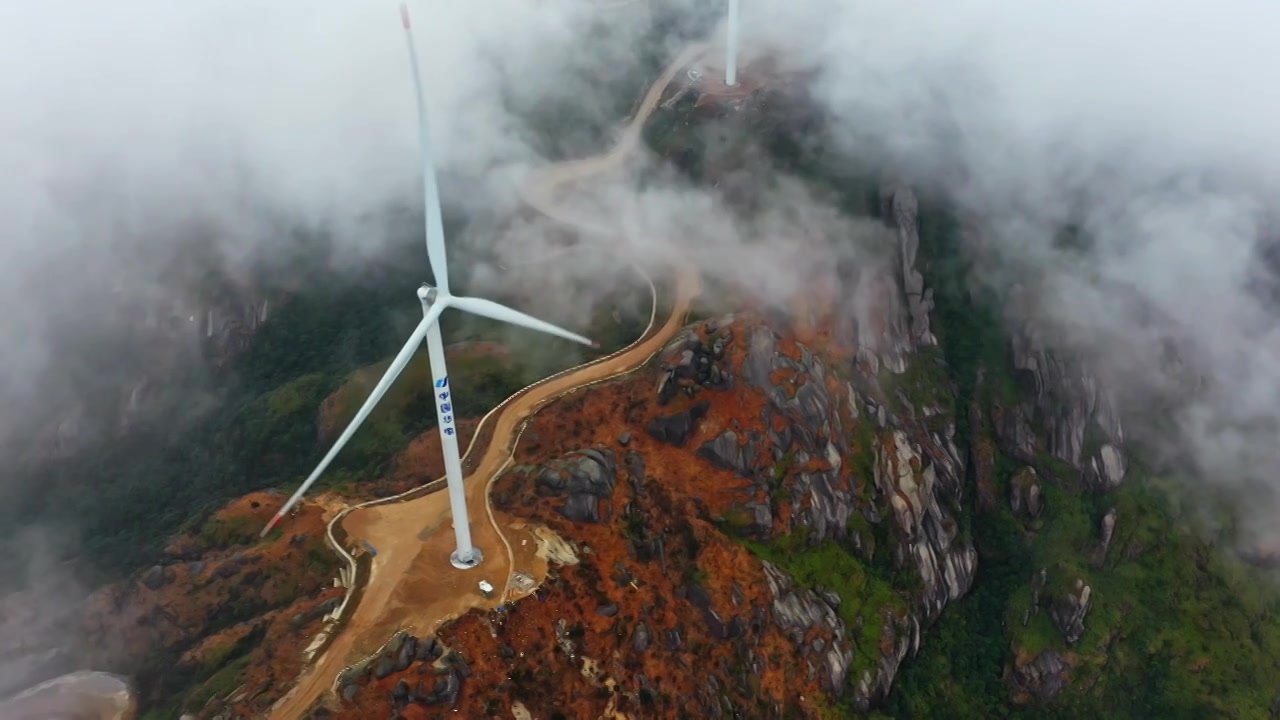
<point>728,452</point>
<point>812,623</point>
<point>803,423</point>
<point>1069,611</point>
<point>585,478</point>
<point>918,493</point>
<point>1042,678</point>
<point>1026,498</point>
<point>900,203</point>
<point>917,478</point>
<point>1065,400</point>
<point>677,428</point>
<point>690,362</point>
<point>402,652</point>
<point>1107,531</point>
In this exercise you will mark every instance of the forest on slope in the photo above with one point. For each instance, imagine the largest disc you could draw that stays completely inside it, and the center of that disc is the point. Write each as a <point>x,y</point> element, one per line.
<point>1174,625</point>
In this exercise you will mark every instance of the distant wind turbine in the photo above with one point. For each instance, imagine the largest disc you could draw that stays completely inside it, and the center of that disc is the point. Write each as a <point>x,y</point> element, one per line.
<point>731,46</point>
<point>434,301</point>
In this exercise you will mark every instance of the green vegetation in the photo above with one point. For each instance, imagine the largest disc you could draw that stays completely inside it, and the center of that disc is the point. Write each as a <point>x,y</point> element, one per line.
<point>1176,629</point>
<point>254,426</point>
<point>865,592</point>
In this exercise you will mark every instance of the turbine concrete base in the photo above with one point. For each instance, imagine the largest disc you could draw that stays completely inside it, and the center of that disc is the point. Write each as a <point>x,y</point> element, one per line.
<point>476,558</point>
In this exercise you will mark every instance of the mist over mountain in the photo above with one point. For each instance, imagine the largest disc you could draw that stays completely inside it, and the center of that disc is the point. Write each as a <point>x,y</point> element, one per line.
<point>176,174</point>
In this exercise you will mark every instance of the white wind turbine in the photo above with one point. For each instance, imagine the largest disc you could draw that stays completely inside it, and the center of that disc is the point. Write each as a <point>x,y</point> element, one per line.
<point>434,301</point>
<point>731,46</point>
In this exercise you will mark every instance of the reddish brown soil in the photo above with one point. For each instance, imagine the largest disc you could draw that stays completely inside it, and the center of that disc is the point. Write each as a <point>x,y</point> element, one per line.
<point>217,594</point>
<point>517,658</point>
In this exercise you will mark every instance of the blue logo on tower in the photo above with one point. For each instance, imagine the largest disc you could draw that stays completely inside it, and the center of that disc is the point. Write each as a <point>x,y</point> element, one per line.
<point>446,409</point>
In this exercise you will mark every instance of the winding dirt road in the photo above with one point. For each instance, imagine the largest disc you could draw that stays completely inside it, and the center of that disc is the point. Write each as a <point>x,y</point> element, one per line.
<point>411,584</point>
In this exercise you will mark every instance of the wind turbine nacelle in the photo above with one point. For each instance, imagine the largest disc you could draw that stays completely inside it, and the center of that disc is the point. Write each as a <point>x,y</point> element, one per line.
<point>428,295</point>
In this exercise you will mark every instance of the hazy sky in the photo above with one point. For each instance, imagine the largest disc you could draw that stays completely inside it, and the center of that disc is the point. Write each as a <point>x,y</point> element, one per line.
<point>1150,124</point>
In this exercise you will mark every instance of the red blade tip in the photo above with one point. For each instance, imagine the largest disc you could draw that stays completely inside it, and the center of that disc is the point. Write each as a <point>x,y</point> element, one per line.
<point>595,344</point>
<point>404,15</point>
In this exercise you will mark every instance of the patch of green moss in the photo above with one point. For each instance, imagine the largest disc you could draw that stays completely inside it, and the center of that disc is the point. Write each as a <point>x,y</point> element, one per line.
<point>864,593</point>
<point>1174,629</point>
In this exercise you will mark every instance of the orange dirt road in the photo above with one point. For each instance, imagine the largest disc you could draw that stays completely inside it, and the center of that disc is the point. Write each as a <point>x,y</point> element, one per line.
<point>412,585</point>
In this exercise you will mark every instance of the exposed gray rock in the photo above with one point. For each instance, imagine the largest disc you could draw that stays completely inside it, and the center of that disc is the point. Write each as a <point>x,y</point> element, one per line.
<point>400,693</point>
<point>404,657</point>
<point>922,504</point>
<point>674,639</point>
<point>797,611</point>
<point>1039,582</point>
<point>1108,529</point>
<point>687,364</point>
<point>586,476</point>
<point>1107,469</point>
<point>634,463</point>
<point>624,439</point>
<point>566,643</point>
<point>727,452</point>
<point>1025,496</point>
<point>640,639</point>
<point>1042,678</point>
<point>349,692</point>
<point>384,667</point>
<point>903,206</point>
<point>1069,611</point>
<point>676,429</point>
<point>446,690</point>
<point>1068,400</point>
<point>428,649</point>
<point>821,504</point>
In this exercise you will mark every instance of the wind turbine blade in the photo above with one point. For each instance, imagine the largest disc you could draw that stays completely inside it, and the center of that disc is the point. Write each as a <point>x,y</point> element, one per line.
<point>397,366</point>
<point>492,310</point>
<point>430,190</point>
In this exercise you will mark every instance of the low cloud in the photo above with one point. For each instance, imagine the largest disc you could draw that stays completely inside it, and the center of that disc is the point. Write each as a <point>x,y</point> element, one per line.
<point>1143,124</point>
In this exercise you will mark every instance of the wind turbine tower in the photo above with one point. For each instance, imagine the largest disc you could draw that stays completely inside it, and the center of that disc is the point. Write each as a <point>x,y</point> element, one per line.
<point>434,301</point>
<point>731,46</point>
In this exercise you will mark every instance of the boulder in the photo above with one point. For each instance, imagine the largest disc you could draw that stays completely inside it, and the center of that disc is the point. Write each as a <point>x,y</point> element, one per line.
<point>1069,611</point>
<point>726,452</point>
<point>1042,678</point>
<point>586,477</point>
<point>676,429</point>
<point>640,639</point>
